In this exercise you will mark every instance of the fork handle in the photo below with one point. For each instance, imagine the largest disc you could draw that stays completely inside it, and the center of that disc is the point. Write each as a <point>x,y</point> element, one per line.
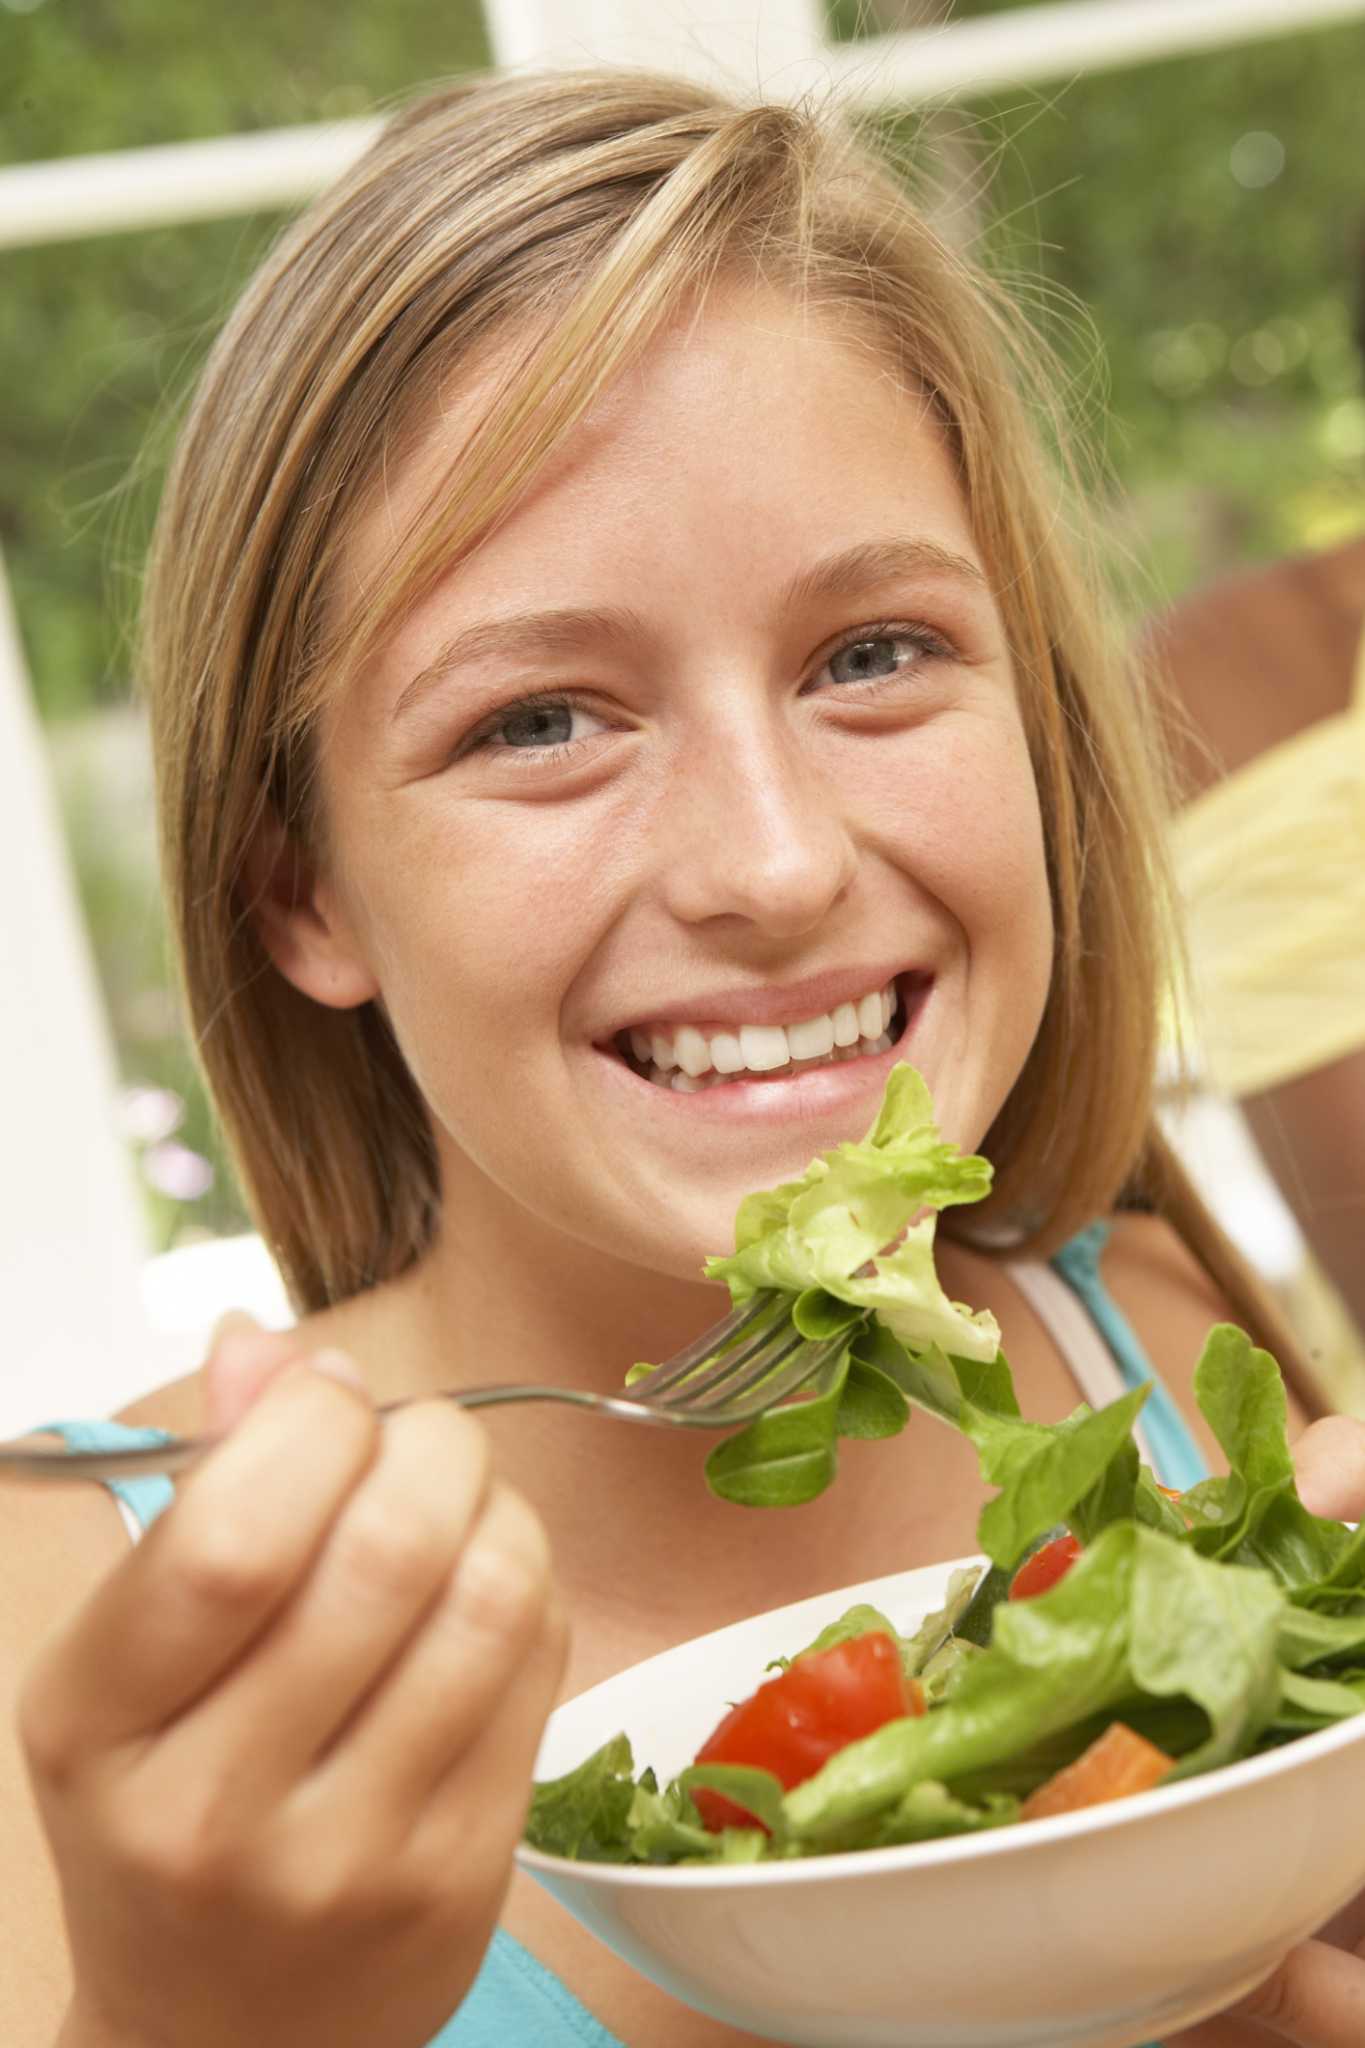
<point>36,1464</point>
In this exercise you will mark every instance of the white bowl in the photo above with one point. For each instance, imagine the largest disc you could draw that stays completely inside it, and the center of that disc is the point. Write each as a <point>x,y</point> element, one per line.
<point>1099,1929</point>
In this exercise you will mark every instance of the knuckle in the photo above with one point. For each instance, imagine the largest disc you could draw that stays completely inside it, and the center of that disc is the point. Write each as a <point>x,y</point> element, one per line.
<point>182,1850</point>
<point>333,1886</point>
<point>464,1890</point>
<point>556,1633</point>
<point>446,1441</point>
<point>392,1548</point>
<point>43,1726</point>
<point>222,1567</point>
<point>315,1889</point>
<point>502,1582</point>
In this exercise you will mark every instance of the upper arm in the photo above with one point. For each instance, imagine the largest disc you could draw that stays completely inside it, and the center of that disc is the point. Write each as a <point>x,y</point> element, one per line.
<point>56,1546</point>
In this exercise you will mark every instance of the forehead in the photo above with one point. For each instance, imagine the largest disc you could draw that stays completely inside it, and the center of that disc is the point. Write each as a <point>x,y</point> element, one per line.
<point>745,436</point>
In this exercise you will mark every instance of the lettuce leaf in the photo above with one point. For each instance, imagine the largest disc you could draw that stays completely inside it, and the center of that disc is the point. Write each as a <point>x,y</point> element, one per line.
<point>859,1225</point>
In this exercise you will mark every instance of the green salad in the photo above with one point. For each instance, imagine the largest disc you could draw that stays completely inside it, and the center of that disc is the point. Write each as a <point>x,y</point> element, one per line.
<point>1164,1635</point>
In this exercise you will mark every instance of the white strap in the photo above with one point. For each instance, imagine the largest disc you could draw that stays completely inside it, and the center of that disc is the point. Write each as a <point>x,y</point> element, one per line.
<point>1086,1355</point>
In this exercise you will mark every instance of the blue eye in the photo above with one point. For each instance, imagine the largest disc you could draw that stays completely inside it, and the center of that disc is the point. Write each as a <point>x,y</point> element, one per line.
<point>877,655</point>
<point>536,725</point>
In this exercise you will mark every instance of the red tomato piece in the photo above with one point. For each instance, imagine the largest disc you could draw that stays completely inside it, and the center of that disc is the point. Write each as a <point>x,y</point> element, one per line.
<point>1040,1573</point>
<point>794,1723</point>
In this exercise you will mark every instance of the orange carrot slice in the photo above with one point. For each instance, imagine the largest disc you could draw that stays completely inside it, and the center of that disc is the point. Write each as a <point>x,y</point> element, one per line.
<point>1116,1763</point>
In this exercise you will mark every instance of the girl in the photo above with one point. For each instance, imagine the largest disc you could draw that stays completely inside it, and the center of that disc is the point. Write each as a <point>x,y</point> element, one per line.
<point>610,625</point>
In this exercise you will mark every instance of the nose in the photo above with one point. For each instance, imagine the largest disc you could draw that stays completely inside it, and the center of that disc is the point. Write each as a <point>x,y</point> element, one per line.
<point>753,832</point>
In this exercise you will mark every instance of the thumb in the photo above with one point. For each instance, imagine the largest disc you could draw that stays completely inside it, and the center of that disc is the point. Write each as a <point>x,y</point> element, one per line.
<point>243,1359</point>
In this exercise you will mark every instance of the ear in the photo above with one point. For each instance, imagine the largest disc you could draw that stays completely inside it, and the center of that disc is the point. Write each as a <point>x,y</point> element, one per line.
<point>299,920</point>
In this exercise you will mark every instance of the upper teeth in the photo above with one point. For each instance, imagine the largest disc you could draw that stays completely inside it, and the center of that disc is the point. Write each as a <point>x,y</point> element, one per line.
<point>761,1048</point>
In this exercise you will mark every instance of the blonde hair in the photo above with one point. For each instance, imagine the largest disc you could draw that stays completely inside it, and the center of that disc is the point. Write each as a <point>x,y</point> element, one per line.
<point>581,212</point>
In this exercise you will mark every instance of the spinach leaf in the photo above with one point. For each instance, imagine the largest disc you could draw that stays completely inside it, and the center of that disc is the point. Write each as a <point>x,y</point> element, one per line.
<point>871,1405</point>
<point>788,1455</point>
<point>1255,1517</point>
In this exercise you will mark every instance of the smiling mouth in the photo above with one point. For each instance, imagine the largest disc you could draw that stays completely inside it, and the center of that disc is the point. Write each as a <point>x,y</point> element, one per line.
<point>689,1061</point>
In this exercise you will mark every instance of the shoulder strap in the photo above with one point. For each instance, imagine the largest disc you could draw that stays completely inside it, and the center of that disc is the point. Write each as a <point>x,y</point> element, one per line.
<point>1177,1460</point>
<point>140,1501</point>
<point>1087,1357</point>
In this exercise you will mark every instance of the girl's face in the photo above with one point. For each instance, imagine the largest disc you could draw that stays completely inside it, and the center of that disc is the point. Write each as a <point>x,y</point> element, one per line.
<point>704,765</point>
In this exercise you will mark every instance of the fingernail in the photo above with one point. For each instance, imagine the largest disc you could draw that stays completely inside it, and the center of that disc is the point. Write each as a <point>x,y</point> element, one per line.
<point>234,1323</point>
<point>335,1365</point>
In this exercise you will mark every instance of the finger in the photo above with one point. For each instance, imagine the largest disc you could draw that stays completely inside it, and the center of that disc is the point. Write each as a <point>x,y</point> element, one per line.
<point>1329,1468</point>
<point>388,1557</point>
<point>497,1771</point>
<point>210,1575</point>
<point>1316,1999</point>
<point>456,1678</point>
<point>242,1360</point>
<point>1346,1929</point>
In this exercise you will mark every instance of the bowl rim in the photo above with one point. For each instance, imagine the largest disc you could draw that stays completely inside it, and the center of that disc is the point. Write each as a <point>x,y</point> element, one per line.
<point>1012,1839</point>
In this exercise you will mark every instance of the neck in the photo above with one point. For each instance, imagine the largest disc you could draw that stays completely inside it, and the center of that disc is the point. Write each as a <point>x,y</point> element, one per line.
<point>644,1552</point>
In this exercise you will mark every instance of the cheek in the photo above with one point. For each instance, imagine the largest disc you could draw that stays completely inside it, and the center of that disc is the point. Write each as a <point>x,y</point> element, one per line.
<point>477,921</point>
<point>970,832</point>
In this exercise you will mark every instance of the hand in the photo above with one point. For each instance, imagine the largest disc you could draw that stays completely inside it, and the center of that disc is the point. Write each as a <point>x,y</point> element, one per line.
<point>1316,1997</point>
<point>283,1754</point>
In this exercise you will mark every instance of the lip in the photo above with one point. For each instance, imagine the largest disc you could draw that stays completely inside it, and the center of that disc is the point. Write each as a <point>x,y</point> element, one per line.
<point>793,1003</point>
<point>814,1092</point>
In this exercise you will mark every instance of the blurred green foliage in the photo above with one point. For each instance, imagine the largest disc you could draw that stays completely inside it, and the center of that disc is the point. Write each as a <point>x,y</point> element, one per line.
<point>1190,236</point>
<point>1208,212</point>
<point>99,337</point>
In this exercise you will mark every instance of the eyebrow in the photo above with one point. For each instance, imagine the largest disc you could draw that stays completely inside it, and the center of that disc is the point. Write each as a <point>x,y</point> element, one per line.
<point>526,634</point>
<point>874,562</point>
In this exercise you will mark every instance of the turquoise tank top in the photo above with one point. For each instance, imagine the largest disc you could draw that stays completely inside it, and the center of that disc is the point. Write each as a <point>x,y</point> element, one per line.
<point>514,1997</point>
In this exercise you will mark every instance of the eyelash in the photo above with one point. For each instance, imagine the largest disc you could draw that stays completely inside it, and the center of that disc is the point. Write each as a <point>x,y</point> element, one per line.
<point>931,646</point>
<point>482,739</point>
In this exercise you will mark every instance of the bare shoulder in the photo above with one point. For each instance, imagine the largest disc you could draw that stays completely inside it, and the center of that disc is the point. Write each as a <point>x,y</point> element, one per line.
<point>1145,1253</point>
<point>178,1406</point>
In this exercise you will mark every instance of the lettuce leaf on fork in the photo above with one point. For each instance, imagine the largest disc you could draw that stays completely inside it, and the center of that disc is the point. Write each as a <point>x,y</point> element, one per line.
<point>853,1238</point>
<point>859,1226</point>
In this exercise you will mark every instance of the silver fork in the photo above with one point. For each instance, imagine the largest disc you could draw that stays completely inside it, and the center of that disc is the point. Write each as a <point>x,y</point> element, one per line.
<point>734,1372</point>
